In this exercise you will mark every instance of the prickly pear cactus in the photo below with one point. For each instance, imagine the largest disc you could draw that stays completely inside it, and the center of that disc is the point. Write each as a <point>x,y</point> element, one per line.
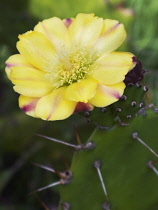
<point>125,158</point>
<point>116,168</point>
<point>119,171</point>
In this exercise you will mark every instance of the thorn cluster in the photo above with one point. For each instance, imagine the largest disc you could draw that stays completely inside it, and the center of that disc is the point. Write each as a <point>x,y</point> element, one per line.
<point>150,164</point>
<point>87,146</point>
<point>65,206</point>
<point>97,165</point>
<point>135,136</point>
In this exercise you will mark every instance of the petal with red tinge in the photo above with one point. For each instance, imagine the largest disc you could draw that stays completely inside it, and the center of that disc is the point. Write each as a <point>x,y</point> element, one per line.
<point>28,105</point>
<point>112,68</point>
<point>37,50</point>
<point>53,106</point>
<point>15,60</point>
<point>55,30</point>
<point>85,29</point>
<point>30,81</point>
<point>112,36</point>
<point>106,95</point>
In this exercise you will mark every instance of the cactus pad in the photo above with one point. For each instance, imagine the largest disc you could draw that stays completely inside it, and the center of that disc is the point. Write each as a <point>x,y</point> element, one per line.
<point>130,183</point>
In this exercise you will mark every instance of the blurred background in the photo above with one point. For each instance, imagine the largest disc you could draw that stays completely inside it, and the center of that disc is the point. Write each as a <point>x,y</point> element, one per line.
<point>19,145</point>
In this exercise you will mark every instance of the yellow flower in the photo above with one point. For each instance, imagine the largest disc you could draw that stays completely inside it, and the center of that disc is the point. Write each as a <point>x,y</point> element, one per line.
<point>66,66</point>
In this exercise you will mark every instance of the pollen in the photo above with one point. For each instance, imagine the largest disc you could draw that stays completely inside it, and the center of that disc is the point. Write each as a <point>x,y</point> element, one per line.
<point>73,65</point>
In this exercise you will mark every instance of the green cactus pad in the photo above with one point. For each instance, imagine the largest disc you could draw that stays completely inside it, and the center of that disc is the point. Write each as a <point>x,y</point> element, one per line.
<point>125,108</point>
<point>130,103</point>
<point>130,183</point>
<point>101,116</point>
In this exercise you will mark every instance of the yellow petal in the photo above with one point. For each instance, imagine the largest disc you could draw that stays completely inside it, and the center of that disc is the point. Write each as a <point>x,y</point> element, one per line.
<point>112,68</point>
<point>15,60</point>
<point>28,105</point>
<point>37,49</point>
<point>30,82</point>
<point>55,30</point>
<point>112,36</point>
<point>54,107</point>
<point>85,29</point>
<point>81,91</point>
<point>106,95</point>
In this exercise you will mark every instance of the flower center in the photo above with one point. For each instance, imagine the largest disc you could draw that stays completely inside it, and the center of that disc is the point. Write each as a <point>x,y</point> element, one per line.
<point>73,65</point>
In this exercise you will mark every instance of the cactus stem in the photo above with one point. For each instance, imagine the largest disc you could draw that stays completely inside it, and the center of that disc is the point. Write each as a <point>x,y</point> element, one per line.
<point>97,165</point>
<point>65,206</point>
<point>135,136</point>
<point>150,164</point>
